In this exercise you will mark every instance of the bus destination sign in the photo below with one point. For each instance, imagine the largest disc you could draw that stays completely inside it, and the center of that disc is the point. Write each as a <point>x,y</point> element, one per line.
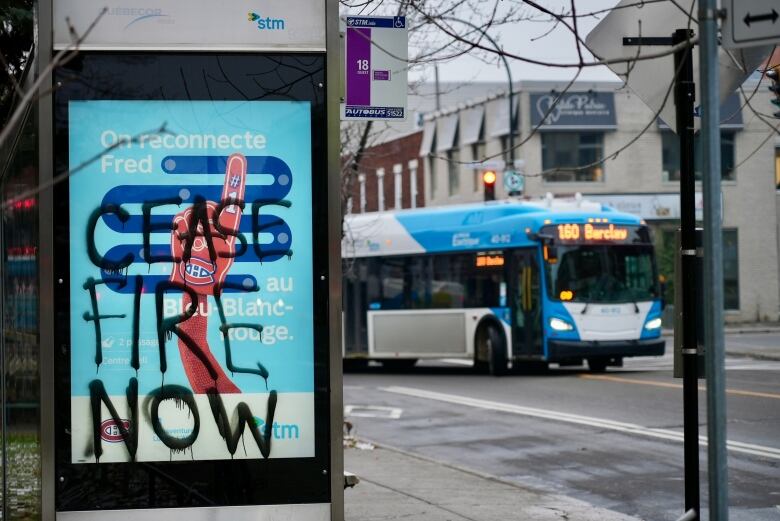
<point>595,233</point>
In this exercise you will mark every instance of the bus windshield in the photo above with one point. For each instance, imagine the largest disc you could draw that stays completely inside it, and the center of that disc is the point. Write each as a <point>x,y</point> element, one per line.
<point>602,274</point>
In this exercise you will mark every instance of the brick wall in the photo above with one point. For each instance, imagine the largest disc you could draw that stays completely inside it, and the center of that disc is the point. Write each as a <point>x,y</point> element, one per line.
<point>388,157</point>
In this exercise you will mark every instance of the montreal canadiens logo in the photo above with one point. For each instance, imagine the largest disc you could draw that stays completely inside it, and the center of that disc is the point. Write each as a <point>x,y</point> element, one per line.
<point>197,271</point>
<point>109,430</point>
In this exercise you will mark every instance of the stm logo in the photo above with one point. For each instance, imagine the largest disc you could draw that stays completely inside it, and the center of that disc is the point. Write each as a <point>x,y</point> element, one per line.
<point>280,431</point>
<point>266,22</point>
<point>197,271</point>
<point>109,430</point>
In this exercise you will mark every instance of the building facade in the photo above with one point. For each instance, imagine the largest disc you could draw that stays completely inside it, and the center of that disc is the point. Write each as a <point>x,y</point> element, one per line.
<point>602,141</point>
<point>389,177</point>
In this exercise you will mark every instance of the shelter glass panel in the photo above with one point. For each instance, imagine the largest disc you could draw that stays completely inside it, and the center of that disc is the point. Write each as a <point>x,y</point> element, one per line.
<point>20,347</point>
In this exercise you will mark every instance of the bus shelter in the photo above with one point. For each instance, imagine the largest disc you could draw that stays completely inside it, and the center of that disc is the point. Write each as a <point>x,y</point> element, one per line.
<point>170,292</point>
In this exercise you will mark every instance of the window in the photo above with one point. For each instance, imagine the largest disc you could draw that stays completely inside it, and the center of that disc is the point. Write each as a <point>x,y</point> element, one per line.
<point>505,154</point>
<point>397,185</point>
<point>670,152</point>
<point>570,156</point>
<point>730,270</point>
<point>362,181</point>
<point>666,248</point>
<point>413,182</point>
<point>431,282</point>
<point>777,168</point>
<point>604,273</point>
<point>477,154</point>
<point>432,170</point>
<point>453,170</point>
<point>380,189</point>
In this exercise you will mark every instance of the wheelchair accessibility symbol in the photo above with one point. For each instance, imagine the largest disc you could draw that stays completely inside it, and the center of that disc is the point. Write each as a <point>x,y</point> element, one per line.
<point>399,22</point>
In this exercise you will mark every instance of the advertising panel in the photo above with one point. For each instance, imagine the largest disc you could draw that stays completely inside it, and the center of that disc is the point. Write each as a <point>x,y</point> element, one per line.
<point>191,280</point>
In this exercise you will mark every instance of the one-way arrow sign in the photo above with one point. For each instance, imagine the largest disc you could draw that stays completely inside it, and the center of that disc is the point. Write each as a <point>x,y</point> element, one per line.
<point>761,17</point>
<point>751,23</point>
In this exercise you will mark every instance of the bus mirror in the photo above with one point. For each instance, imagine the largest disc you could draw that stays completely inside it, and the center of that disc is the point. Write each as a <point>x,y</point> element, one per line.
<point>550,254</point>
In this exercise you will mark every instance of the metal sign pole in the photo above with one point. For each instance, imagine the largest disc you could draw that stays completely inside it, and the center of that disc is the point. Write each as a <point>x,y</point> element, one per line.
<point>684,97</point>
<point>717,465</point>
<point>684,92</point>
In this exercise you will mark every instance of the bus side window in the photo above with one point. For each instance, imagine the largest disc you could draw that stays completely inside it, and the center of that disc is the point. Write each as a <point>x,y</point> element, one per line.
<point>392,289</point>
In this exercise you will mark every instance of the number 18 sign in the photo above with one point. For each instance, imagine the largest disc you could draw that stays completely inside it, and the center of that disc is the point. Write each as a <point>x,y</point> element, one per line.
<point>375,68</point>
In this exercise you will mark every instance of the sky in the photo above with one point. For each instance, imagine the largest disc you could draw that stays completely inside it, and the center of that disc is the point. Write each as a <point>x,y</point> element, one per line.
<point>558,46</point>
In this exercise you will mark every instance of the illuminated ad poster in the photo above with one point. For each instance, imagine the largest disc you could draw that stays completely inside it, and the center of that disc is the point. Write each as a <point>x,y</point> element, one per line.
<point>191,280</point>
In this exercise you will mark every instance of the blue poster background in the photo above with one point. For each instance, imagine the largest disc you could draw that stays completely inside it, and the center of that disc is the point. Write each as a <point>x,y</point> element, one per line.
<point>279,130</point>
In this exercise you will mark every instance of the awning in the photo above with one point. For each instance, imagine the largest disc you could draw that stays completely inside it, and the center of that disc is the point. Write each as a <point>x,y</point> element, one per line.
<point>497,116</point>
<point>429,133</point>
<point>471,125</point>
<point>573,111</point>
<point>730,114</point>
<point>446,130</point>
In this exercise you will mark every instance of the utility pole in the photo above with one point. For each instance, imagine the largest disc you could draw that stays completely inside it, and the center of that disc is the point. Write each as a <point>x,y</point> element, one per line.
<point>684,93</point>
<point>709,80</point>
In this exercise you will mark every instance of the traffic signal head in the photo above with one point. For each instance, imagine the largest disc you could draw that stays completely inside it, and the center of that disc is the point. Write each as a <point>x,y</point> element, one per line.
<point>773,75</point>
<point>489,183</point>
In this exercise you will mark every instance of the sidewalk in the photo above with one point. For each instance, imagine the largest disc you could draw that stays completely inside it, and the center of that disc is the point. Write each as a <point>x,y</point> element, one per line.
<point>747,346</point>
<point>397,485</point>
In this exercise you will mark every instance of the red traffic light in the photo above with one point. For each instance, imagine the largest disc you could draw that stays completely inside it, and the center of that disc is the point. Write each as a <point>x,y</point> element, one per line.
<point>489,184</point>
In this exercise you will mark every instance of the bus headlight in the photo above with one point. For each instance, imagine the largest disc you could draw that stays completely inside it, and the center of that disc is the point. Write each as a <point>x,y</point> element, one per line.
<point>560,325</point>
<point>653,324</point>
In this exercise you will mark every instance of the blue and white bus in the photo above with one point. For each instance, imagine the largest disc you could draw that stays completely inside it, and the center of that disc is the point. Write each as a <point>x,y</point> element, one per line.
<point>501,283</point>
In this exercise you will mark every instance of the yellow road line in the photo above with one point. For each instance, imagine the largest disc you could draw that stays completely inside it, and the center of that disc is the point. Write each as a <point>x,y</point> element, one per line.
<point>735,392</point>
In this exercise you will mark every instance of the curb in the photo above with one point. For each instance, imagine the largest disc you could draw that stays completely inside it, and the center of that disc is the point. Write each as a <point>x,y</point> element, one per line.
<point>749,330</point>
<point>753,355</point>
<point>735,331</point>
<point>453,466</point>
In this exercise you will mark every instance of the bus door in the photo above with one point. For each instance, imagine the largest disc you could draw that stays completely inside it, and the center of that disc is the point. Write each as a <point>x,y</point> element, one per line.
<point>527,330</point>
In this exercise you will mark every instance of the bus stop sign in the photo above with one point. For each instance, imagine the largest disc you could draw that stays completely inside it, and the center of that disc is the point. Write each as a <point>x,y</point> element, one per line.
<point>375,65</point>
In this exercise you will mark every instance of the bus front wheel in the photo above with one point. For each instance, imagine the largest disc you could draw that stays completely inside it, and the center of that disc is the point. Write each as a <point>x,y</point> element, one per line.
<point>491,350</point>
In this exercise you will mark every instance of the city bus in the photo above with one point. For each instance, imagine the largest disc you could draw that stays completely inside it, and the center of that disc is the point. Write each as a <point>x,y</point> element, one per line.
<point>503,284</point>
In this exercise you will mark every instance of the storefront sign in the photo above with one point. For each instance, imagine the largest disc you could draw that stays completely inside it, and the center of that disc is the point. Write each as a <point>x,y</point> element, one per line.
<point>191,281</point>
<point>573,111</point>
<point>651,207</point>
<point>195,24</point>
<point>375,67</point>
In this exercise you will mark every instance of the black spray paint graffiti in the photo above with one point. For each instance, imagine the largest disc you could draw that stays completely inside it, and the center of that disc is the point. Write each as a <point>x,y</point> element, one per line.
<point>203,222</point>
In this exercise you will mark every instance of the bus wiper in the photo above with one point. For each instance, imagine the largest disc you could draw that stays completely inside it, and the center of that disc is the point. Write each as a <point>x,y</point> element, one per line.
<point>585,308</point>
<point>636,307</point>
